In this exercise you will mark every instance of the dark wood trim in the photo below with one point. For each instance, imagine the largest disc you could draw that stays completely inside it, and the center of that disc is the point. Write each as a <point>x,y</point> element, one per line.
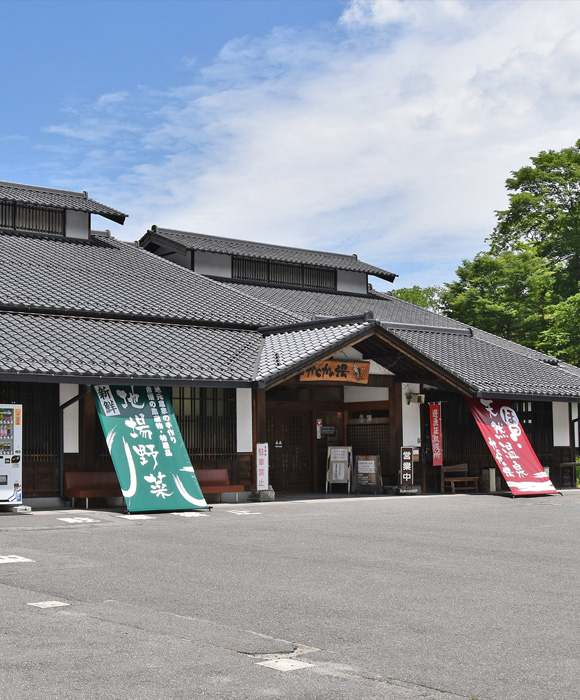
<point>396,422</point>
<point>425,363</point>
<point>87,439</point>
<point>260,425</point>
<point>361,406</point>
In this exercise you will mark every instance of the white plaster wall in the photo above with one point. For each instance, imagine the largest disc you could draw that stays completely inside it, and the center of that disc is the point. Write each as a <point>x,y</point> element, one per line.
<point>354,394</point>
<point>216,264</point>
<point>349,354</point>
<point>411,417</point>
<point>352,355</point>
<point>378,369</point>
<point>180,259</point>
<point>245,440</point>
<point>575,415</point>
<point>349,281</point>
<point>77,224</point>
<point>561,424</point>
<point>71,417</point>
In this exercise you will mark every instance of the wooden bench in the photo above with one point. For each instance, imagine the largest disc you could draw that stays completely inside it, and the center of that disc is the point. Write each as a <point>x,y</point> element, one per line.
<point>216,481</point>
<point>90,485</point>
<point>457,479</point>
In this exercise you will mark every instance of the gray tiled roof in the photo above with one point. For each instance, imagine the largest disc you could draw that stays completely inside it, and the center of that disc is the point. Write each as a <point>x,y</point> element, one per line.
<point>119,312</point>
<point>86,348</point>
<point>108,277</point>
<point>265,251</point>
<point>284,352</point>
<point>58,199</point>
<point>316,304</point>
<point>494,368</point>
<point>481,361</point>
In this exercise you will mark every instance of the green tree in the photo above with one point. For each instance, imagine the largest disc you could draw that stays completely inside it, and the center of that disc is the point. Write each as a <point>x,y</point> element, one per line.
<point>544,212</point>
<point>562,338</point>
<point>426,297</point>
<point>506,294</point>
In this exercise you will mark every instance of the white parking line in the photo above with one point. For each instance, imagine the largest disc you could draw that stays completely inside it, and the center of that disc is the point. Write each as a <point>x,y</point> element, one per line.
<point>284,664</point>
<point>49,604</point>
<point>13,558</point>
<point>79,520</point>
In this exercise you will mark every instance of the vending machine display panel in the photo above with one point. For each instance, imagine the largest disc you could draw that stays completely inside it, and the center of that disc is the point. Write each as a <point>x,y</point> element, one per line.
<point>10,453</point>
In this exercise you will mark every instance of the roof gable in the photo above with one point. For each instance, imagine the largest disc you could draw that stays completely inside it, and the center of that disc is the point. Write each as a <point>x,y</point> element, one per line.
<point>414,344</point>
<point>12,192</point>
<point>263,251</point>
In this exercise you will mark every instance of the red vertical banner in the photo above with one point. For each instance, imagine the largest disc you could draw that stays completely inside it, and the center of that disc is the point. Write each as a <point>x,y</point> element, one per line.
<point>436,435</point>
<point>510,447</point>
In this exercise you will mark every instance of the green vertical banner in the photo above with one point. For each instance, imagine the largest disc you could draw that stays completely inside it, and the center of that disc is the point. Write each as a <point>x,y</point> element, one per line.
<point>148,452</point>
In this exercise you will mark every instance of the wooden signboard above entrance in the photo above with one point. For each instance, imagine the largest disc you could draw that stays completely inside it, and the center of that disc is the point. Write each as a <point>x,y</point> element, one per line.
<point>337,371</point>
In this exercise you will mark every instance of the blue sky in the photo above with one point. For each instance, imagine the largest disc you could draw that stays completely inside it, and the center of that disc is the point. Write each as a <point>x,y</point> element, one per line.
<point>385,128</point>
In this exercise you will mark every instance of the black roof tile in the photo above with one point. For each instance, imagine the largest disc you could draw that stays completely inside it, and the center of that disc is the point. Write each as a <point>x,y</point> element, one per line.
<point>34,345</point>
<point>495,368</point>
<point>284,351</point>
<point>265,251</point>
<point>57,199</point>
<point>107,277</point>
<point>481,361</point>
<point>323,304</point>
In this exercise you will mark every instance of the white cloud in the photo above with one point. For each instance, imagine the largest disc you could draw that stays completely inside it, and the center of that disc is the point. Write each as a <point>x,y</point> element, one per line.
<point>390,135</point>
<point>112,98</point>
<point>381,13</point>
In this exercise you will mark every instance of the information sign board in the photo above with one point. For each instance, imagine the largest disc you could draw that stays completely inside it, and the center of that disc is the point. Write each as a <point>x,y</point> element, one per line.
<point>338,466</point>
<point>368,474</point>
<point>406,473</point>
<point>262,464</point>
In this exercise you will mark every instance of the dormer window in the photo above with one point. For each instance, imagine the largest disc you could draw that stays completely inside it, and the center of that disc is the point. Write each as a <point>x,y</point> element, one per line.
<point>43,210</point>
<point>19,217</point>
<point>285,274</point>
<point>250,269</point>
<point>251,262</point>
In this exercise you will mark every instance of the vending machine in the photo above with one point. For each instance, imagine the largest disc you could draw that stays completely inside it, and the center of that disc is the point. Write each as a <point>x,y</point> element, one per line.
<point>10,453</point>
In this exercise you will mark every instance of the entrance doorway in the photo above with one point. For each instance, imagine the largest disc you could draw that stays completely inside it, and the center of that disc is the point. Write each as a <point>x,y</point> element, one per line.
<point>289,439</point>
<point>303,422</point>
<point>329,433</point>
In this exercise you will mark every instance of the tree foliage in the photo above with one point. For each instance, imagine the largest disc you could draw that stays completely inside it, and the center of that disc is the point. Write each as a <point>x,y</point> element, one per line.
<point>506,294</point>
<point>562,337</point>
<point>544,213</point>
<point>426,297</point>
<point>526,286</point>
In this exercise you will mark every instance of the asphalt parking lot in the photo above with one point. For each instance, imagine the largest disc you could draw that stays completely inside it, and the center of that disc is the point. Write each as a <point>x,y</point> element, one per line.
<point>466,596</point>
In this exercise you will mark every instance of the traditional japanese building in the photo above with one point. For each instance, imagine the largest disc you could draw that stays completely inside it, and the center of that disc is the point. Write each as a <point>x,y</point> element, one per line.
<point>257,343</point>
<point>416,357</point>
